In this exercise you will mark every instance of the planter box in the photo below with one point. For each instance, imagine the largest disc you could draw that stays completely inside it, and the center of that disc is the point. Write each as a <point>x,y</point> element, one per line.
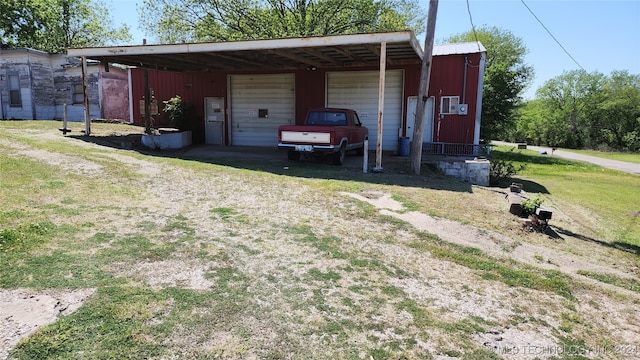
<point>167,139</point>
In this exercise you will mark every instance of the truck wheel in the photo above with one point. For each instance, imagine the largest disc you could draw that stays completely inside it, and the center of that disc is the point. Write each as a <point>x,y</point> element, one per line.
<point>293,155</point>
<point>338,158</point>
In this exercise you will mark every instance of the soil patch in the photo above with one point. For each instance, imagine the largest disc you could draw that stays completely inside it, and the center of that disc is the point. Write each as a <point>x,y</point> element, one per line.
<point>25,311</point>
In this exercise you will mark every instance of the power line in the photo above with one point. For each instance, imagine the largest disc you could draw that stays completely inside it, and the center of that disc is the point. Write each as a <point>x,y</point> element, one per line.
<point>549,32</point>
<point>473,28</point>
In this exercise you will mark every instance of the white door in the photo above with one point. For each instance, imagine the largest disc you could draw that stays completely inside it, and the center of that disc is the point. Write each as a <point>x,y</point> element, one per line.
<point>358,90</point>
<point>427,120</point>
<point>259,105</point>
<point>214,125</point>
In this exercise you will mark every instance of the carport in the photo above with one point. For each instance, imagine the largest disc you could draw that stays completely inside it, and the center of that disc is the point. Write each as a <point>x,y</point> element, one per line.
<point>355,51</point>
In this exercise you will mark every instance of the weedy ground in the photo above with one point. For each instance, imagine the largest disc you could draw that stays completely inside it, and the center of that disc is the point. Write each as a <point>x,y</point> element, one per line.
<point>239,257</point>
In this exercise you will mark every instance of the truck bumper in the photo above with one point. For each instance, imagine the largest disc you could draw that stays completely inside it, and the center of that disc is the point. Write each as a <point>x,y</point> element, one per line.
<point>308,148</point>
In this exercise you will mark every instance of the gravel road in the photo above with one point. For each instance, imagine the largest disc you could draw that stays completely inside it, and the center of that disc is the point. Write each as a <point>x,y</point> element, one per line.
<point>607,163</point>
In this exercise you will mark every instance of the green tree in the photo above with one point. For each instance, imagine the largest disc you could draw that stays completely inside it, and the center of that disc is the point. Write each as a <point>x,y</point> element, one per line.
<point>619,112</point>
<point>506,77</point>
<point>571,102</point>
<point>172,21</point>
<point>579,109</point>
<point>55,25</point>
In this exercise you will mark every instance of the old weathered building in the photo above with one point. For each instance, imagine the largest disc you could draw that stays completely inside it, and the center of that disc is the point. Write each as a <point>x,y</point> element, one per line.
<point>37,85</point>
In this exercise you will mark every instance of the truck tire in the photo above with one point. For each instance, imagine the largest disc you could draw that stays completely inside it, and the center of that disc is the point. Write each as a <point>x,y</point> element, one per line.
<point>338,157</point>
<point>293,155</point>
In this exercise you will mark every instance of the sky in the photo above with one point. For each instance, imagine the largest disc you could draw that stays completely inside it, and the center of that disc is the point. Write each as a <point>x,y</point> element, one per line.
<point>601,35</point>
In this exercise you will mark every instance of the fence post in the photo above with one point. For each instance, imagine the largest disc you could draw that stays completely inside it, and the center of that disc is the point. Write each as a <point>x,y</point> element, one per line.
<point>365,156</point>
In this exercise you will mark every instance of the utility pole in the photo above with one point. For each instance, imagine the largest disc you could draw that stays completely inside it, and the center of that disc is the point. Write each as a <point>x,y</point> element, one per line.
<point>425,74</point>
<point>383,74</point>
<point>147,97</point>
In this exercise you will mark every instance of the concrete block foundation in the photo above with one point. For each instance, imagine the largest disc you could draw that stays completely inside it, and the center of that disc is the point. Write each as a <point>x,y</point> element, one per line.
<point>474,171</point>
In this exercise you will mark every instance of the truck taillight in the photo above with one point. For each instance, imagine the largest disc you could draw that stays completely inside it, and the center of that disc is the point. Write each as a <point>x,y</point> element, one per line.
<point>332,138</point>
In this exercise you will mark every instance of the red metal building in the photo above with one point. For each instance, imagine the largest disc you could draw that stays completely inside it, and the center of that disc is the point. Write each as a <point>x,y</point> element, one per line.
<point>244,90</point>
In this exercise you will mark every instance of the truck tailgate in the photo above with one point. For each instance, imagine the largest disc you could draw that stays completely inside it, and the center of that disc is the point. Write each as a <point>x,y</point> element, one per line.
<point>306,137</point>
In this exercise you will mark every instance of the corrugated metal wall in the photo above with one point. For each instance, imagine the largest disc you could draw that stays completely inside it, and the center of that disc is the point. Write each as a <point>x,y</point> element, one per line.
<point>447,79</point>
<point>192,87</point>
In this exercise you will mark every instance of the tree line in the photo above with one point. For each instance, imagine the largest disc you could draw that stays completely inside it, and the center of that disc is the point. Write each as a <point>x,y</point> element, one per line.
<point>583,110</point>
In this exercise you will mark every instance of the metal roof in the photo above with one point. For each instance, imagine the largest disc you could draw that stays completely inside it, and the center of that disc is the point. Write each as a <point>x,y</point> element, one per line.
<point>458,48</point>
<point>271,54</point>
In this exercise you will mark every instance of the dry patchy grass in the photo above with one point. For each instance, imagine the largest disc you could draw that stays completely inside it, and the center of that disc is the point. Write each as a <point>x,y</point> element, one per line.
<point>199,260</point>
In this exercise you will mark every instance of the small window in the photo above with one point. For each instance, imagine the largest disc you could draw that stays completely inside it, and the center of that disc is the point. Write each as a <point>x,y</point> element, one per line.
<point>327,118</point>
<point>338,119</point>
<point>78,94</point>
<point>449,104</point>
<point>15,98</point>
<point>356,120</point>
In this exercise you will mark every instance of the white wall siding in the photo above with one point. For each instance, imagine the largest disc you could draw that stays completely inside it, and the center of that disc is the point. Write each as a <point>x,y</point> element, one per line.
<point>358,90</point>
<point>249,94</point>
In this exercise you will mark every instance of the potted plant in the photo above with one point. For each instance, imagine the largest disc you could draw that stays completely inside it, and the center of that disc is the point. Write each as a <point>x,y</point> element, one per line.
<point>530,205</point>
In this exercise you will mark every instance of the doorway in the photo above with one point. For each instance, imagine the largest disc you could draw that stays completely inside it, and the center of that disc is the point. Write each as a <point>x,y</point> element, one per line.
<point>427,120</point>
<point>214,113</point>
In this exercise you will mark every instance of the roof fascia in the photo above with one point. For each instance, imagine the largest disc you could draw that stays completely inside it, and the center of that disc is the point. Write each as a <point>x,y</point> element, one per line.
<point>248,45</point>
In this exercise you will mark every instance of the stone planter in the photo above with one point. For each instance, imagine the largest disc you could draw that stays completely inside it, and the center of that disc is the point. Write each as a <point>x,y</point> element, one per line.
<point>167,139</point>
<point>472,171</point>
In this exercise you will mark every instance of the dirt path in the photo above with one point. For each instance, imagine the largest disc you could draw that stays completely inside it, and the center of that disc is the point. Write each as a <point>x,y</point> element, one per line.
<point>495,244</point>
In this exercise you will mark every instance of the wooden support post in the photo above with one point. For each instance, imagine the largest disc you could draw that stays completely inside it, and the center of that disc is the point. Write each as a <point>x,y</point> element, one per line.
<point>85,91</point>
<point>383,70</point>
<point>147,102</point>
<point>416,145</point>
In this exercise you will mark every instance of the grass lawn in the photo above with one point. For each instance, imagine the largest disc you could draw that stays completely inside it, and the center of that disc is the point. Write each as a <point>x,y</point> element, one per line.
<point>266,259</point>
<point>610,196</point>
<point>612,155</point>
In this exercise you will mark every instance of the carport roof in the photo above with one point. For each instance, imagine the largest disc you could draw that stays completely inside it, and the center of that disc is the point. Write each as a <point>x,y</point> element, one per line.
<point>272,54</point>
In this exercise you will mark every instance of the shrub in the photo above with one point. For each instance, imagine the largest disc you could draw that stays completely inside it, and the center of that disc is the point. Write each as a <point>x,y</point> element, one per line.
<point>631,141</point>
<point>530,205</point>
<point>502,169</point>
<point>176,110</point>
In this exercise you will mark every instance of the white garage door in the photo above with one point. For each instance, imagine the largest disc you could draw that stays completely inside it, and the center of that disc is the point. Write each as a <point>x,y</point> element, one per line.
<point>358,90</point>
<point>259,104</point>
